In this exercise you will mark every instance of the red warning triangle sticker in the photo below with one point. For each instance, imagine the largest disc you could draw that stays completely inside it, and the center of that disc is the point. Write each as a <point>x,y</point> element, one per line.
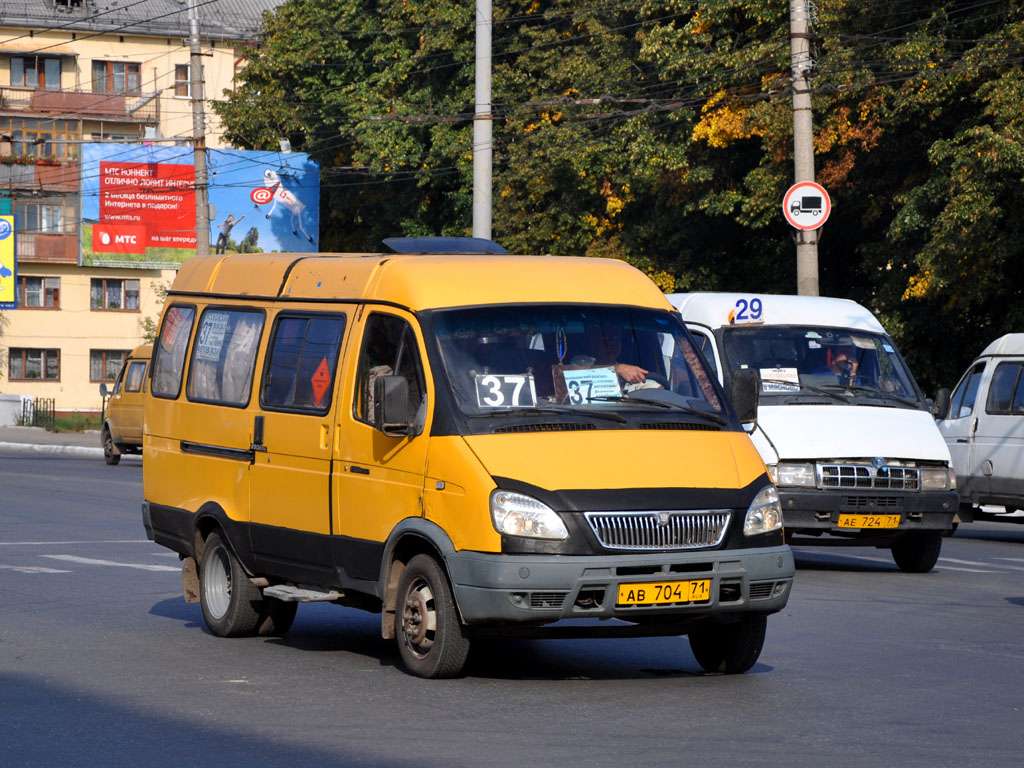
<point>321,380</point>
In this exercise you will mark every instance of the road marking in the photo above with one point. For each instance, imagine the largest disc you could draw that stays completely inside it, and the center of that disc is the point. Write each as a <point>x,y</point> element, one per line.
<point>990,565</point>
<point>965,570</point>
<point>30,569</point>
<point>961,562</point>
<point>1012,559</point>
<point>91,561</point>
<point>68,543</point>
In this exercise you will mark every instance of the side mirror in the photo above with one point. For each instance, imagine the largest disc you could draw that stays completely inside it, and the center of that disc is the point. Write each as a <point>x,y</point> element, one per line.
<point>940,408</point>
<point>746,384</point>
<point>103,390</point>
<point>391,405</point>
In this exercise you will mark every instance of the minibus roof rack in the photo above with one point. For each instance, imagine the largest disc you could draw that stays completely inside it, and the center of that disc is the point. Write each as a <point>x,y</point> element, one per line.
<point>450,245</point>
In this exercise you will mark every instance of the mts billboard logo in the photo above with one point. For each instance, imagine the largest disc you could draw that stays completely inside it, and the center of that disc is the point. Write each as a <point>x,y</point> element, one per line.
<point>118,238</point>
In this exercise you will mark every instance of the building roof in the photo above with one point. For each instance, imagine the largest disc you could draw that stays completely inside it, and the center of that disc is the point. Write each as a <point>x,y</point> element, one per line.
<point>218,19</point>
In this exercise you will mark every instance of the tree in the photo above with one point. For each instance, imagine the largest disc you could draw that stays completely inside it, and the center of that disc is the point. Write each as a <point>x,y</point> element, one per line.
<point>248,244</point>
<point>659,132</point>
<point>149,325</point>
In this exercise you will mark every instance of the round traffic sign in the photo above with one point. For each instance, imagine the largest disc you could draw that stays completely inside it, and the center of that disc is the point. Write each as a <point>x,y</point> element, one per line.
<point>806,205</point>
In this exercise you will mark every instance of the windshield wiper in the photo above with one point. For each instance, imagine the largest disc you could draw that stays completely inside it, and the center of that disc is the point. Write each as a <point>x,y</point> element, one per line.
<point>514,412</point>
<point>659,404</point>
<point>610,415</point>
<point>888,395</point>
<point>548,412</point>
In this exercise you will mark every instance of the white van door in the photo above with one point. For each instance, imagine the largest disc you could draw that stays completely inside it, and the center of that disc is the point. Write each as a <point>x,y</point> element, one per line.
<point>958,430</point>
<point>706,344</point>
<point>999,435</point>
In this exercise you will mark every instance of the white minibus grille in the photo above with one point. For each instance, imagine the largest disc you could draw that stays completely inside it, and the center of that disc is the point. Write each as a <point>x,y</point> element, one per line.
<point>868,477</point>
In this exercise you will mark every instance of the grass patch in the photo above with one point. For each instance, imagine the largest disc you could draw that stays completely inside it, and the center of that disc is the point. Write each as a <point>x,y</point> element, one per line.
<point>76,422</point>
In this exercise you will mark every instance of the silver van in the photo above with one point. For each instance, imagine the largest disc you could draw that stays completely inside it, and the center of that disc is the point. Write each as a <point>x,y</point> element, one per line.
<point>984,430</point>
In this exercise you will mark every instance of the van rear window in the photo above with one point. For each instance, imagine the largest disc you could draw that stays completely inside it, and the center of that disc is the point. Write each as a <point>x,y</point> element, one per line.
<point>169,353</point>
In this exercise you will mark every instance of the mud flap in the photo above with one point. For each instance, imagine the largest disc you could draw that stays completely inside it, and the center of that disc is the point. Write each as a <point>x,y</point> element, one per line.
<point>190,580</point>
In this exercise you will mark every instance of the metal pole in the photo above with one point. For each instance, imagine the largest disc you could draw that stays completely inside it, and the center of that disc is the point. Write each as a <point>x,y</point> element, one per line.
<point>198,134</point>
<point>803,140</point>
<point>482,136</point>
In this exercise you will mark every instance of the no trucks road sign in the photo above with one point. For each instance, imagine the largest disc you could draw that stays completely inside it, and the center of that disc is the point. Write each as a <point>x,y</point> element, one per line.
<point>806,205</point>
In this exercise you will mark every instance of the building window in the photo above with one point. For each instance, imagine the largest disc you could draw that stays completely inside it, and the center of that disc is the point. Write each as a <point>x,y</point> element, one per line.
<point>35,72</point>
<point>33,364</point>
<point>39,292</point>
<point>114,294</point>
<point>105,364</point>
<point>42,137</point>
<point>115,77</point>
<point>182,80</point>
<point>43,218</point>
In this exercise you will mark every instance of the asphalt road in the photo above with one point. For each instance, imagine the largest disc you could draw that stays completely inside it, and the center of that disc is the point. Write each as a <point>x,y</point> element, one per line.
<point>103,663</point>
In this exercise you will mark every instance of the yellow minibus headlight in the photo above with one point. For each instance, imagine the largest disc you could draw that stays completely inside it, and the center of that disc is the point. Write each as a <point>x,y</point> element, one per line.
<point>516,514</point>
<point>764,514</point>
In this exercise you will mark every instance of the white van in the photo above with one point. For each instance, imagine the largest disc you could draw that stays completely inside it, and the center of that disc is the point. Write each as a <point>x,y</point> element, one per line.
<point>984,430</point>
<point>843,427</point>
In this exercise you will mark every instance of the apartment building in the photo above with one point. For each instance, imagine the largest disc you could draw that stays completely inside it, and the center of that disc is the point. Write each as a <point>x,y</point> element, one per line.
<point>74,72</point>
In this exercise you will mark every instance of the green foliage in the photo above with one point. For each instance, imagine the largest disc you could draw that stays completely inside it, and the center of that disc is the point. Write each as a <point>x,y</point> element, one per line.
<point>150,324</point>
<point>249,242</point>
<point>660,132</point>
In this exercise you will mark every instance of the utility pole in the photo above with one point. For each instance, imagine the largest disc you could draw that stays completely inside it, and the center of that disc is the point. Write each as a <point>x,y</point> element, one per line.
<point>198,133</point>
<point>483,146</point>
<point>803,139</point>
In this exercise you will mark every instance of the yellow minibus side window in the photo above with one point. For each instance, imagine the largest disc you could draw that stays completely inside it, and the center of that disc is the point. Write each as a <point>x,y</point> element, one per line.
<point>224,356</point>
<point>169,353</point>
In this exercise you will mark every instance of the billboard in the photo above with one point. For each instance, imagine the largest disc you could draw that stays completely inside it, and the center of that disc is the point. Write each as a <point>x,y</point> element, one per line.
<point>8,264</point>
<point>139,205</point>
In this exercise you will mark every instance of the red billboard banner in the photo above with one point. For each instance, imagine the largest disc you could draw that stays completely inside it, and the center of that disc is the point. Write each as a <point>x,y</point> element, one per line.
<point>154,201</point>
<point>118,238</point>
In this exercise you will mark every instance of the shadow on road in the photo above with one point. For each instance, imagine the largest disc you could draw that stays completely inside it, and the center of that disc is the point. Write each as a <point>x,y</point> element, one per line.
<point>322,628</point>
<point>835,559</point>
<point>95,730</point>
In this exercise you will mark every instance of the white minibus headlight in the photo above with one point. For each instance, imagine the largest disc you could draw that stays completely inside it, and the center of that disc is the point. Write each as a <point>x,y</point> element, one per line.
<point>764,514</point>
<point>516,514</point>
<point>792,475</point>
<point>937,479</point>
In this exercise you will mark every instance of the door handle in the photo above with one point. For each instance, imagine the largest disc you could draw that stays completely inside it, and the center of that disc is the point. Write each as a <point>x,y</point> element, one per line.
<point>962,440</point>
<point>358,470</point>
<point>257,435</point>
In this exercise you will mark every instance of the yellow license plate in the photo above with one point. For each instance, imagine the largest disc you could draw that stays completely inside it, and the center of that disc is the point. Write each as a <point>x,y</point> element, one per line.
<point>869,521</point>
<point>665,592</point>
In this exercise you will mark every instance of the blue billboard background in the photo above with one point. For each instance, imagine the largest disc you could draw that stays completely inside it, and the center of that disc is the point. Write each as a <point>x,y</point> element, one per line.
<point>273,197</point>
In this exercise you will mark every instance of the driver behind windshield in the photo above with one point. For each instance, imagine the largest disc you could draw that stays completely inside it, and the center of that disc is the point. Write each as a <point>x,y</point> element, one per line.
<point>842,361</point>
<point>605,346</point>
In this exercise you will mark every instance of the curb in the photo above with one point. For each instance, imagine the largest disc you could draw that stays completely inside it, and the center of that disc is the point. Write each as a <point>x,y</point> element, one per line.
<point>70,450</point>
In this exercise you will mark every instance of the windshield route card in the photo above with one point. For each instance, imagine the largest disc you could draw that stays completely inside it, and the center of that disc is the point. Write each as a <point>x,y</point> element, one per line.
<point>585,384</point>
<point>782,380</point>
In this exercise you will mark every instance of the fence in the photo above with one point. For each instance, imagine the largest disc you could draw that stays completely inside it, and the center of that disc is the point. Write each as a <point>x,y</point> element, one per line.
<point>40,412</point>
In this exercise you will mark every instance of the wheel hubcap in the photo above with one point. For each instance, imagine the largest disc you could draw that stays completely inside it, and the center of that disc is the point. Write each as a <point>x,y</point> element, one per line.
<point>217,584</point>
<point>419,620</point>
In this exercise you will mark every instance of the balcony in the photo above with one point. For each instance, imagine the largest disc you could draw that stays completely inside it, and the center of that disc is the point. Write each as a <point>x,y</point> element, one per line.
<point>123,107</point>
<point>49,249</point>
<point>43,174</point>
